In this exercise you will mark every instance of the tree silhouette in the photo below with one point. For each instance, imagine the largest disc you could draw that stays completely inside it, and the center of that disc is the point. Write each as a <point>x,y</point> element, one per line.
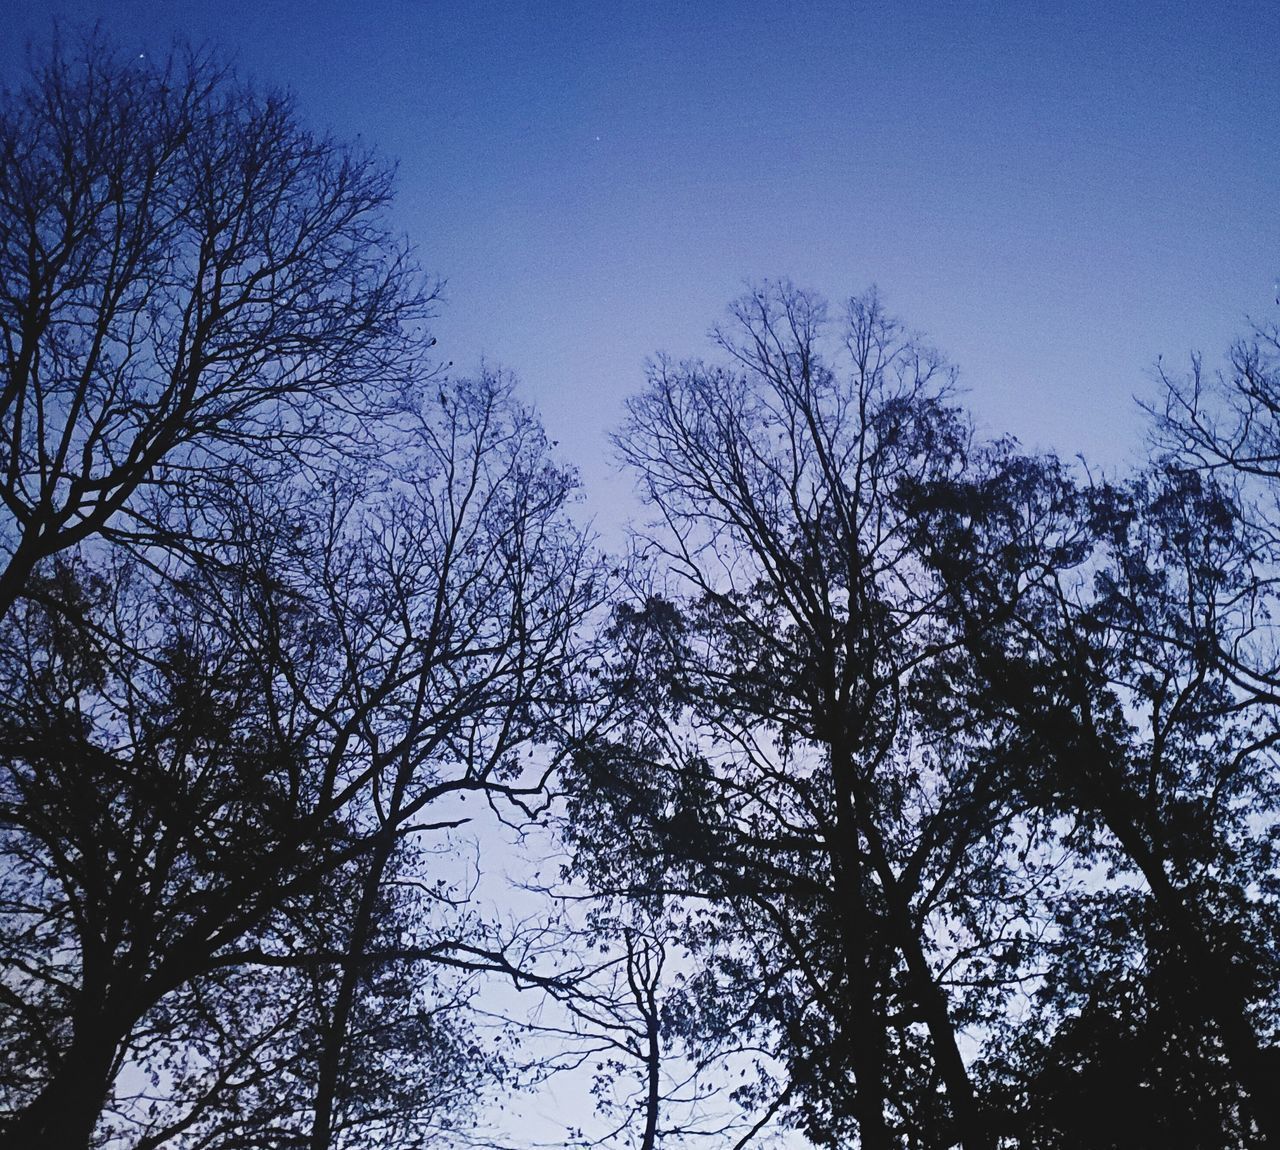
<point>774,766</point>
<point>1103,622</point>
<point>191,285</point>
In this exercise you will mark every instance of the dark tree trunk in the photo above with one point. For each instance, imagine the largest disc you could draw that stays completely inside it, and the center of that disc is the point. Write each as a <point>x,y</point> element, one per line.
<point>971,1128</point>
<point>931,1001</point>
<point>64,1114</point>
<point>864,1026</point>
<point>329,1072</point>
<point>653,1067</point>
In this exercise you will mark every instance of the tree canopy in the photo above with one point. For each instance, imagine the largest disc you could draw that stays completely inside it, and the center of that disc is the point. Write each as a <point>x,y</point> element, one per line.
<point>904,789</point>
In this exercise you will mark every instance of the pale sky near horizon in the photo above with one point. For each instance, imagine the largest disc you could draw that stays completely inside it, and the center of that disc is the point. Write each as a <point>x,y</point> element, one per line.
<point>1055,193</point>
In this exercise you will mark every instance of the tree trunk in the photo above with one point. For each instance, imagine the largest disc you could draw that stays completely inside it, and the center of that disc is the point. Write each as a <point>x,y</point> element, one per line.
<point>335,1038</point>
<point>864,1027</point>
<point>932,1002</point>
<point>17,572</point>
<point>971,1128</point>
<point>653,1068</point>
<point>64,1114</point>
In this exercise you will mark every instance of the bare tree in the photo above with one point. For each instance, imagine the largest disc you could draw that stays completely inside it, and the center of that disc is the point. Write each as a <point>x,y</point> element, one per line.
<point>211,779</point>
<point>190,283</point>
<point>793,787</point>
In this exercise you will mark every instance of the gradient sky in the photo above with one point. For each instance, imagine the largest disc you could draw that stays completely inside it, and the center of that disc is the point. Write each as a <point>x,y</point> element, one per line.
<point>1057,193</point>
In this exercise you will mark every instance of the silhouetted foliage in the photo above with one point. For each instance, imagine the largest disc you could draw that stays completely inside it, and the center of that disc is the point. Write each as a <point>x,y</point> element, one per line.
<point>280,600</point>
<point>918,792</point>
<point>962,762</point>
<point>213,776</point>
<point>1102,648</point>
<point>192,284</point>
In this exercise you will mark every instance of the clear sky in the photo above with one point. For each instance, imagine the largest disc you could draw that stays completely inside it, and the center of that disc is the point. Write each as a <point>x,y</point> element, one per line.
<point>1056,192</point>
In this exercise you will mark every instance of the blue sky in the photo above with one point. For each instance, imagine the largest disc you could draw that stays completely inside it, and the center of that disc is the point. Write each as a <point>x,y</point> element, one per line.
<point>1056,192</point>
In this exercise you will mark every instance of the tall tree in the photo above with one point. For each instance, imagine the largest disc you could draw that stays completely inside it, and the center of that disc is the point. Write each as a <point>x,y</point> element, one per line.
<point>1103,623</point>
<point>785,775</point>
<point>191,283</point>
<point>339,593</point>
<point>213,774</point>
